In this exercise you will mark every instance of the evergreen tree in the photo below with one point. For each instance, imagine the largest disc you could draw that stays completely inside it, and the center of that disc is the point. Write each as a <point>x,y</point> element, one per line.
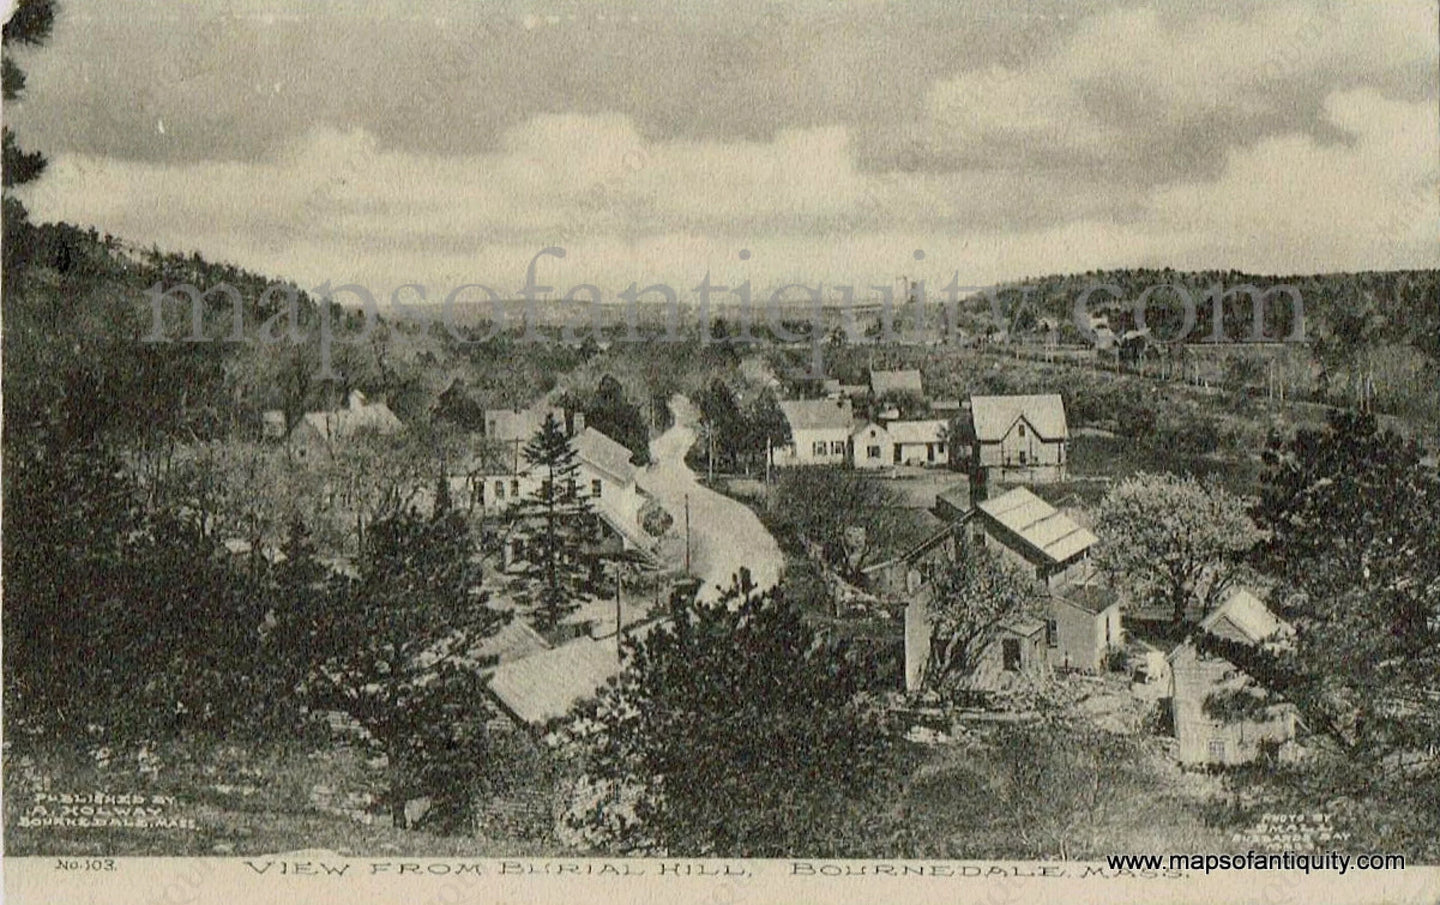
<point>394,649</point>
<point>613,415</point>
<point>30,24</point>
<point>1355,539</point>
<point>735,731</point>
<point>556,523</point>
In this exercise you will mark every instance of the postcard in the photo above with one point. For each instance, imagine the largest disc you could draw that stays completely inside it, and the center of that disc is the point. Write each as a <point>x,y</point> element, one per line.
<point>539,451</point>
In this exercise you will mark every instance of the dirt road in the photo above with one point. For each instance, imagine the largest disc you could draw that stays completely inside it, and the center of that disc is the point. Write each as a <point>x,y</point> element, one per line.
<point>724,533</point>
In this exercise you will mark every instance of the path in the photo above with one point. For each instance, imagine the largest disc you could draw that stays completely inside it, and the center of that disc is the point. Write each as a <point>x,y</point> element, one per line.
<point>724,533</point>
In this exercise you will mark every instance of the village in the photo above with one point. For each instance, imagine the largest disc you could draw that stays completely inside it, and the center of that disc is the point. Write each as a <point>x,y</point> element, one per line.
<point>889,433</point>
<point>661,534</point>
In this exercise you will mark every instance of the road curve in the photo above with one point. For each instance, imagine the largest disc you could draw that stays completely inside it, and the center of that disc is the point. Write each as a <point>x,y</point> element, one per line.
<point>724,533</point>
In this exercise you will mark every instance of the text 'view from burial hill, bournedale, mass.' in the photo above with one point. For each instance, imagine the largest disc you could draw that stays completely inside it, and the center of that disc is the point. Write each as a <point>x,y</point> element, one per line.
<point>729,452</point>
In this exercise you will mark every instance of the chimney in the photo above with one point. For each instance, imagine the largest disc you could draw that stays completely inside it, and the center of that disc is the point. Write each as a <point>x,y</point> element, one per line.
<point>578,421</point>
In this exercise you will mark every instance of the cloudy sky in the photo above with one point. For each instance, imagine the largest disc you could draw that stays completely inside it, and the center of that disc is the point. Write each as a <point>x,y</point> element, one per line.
<point>443,142</point>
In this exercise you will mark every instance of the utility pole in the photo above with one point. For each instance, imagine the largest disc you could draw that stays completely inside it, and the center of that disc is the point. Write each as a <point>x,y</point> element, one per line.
<point>687,535</point>
<point>619,625</point>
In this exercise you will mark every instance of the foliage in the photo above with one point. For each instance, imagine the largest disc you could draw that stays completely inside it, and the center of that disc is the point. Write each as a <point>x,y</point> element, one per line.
<point>734,731</point>
<point>392,649</point>
<point>823,506</point>
<point>972,597</point>
<point>556,522</point>
<point>30,23</point>
<point>1060,783</point>
<point>613,415</point>
<point>1355,539</point>
<point>1174,539</point>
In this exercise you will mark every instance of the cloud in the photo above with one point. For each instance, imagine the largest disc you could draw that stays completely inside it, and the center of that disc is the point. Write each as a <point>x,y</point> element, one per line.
<point>1280,138</point>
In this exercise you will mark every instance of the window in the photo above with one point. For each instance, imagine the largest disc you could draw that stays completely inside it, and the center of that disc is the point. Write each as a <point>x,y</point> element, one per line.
<point>570,486</point>
<point>499,490</point>
<point>1010,648</point>
<point>819,447</point>
<point>595,487</point>
<point>1216,750</point>
<point>1022,457</point>
<point>1052,633</point>
<point>1021,428</point>
<point>872,452</point>
<point>515,487</point>
<point>940,448</point>
<point>837,448</point>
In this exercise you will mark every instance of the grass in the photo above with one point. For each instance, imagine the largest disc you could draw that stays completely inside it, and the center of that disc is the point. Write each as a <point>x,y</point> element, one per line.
<point>244,800</point>
<point>1097,460</point>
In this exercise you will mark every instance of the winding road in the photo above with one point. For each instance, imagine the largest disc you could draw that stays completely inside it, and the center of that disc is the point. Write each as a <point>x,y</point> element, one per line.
<point>724,533</point>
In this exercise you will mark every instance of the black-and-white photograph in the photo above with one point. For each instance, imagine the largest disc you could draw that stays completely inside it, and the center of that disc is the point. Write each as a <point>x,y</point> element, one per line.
<point>775,448</point>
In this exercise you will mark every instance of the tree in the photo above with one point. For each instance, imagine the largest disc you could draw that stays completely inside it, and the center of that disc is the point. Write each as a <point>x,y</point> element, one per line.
<point>30,24</point>
<point>1059,778</point>
<point>971,598</point>
<point>821,504</point>
<point>393,650</point>
<point>720,423</point>
<point>613,415</point>
<point>1354,522</point>
<point>556,522</point>
<point>1175,539</point>
<point>765,425</point>
<point>733,731</point>
<point>115,616</point>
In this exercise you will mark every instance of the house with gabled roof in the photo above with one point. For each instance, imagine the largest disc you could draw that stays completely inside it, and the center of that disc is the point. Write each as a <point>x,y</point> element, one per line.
<point>1018,438</point>
<point>1034,536</point>
<point>819,431</point>
<point>545,685</point>
<point>317,433</point>
<point>1197,677</point>
<point>925,442</point>
<point>871,446</point>
<point>495,479</point>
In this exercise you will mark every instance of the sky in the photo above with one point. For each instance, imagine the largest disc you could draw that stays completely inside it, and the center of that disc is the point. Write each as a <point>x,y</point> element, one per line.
<point>440,143</point>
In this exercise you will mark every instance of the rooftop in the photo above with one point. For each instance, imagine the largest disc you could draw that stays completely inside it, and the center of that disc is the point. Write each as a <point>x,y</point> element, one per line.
<point>993,416</point>
<point>1041,526</point>
<point>546,685</point>
<point>1092,598</point>
<point>818,414</point>
<point>605,454</point>
<point>347,422</point>
<point>930,431</point>
<point>1243,617</point>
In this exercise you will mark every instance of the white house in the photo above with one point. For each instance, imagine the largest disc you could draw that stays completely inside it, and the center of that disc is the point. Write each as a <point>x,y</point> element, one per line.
<point>871,446</point>
<point>605,475</point>
<point>819,431</point>
<point>1195,677</point>
<point>1022,438</point>
<point>920,442</point>
<point>1034,536</point>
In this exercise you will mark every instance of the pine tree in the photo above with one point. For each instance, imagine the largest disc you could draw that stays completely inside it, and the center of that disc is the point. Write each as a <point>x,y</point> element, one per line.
<point>556,523</point>
<point>393,648</point>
